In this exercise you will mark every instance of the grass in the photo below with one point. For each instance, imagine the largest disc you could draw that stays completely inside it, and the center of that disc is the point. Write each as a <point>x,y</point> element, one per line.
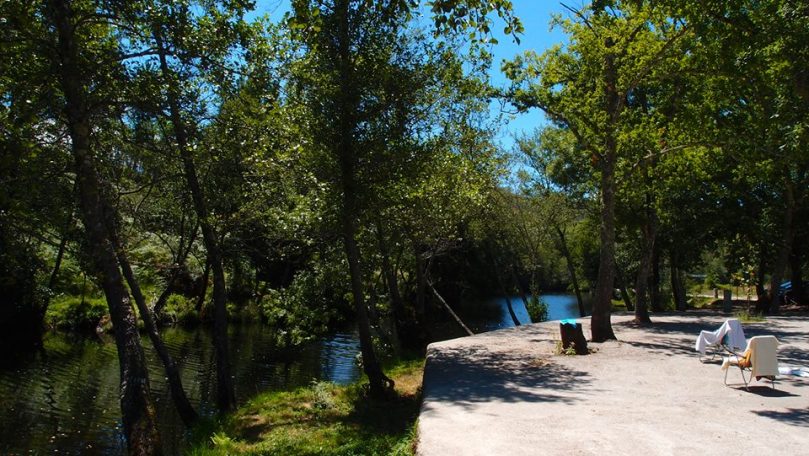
<point>745,316</point>
<point>322,419</point>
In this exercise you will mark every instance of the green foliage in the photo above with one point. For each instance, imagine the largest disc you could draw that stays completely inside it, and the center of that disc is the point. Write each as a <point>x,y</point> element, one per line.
<point>537,309</point>
<point>76,312</point>
<point>746,316</point>
<point>323,419</point>
<point>569,351</point>
<point>181,310</point>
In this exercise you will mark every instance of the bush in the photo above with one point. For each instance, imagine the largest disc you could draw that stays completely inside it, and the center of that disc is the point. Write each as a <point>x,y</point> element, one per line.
<point>180,310</point>
<point>537,309</point>
<point>76,313</point>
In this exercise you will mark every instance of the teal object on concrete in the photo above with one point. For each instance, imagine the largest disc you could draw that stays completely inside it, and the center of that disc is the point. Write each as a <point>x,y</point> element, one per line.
<point>569,321</point>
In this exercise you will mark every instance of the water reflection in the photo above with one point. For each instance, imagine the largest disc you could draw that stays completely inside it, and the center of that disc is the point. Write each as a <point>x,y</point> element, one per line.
<point>560,306</point>
<point>65,397</point>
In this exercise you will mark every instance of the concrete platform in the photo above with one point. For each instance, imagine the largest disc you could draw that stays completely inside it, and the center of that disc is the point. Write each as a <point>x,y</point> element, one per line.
<point>505,392</point>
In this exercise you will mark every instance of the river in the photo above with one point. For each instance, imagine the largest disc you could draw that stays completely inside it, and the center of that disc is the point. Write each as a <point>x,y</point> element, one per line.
<point>64,398</point>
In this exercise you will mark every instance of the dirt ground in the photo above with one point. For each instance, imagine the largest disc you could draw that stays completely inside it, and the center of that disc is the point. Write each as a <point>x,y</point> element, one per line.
<point>505,392</point>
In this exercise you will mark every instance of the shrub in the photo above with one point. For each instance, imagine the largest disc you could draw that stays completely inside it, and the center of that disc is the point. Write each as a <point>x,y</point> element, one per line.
<point>76,313</point>
<point>180,310</point>
<point>537,309</point>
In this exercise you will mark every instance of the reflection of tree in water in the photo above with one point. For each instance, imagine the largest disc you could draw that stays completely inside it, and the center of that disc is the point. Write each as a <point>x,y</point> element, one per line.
<point>70,389</point>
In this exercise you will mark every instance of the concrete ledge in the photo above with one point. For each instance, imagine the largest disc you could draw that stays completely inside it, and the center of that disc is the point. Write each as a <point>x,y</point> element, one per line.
<point>505,392</point>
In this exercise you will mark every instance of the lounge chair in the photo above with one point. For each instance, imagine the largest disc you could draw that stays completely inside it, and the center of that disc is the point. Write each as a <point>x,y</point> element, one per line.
<point>760,359</point>
<point>729,337</point>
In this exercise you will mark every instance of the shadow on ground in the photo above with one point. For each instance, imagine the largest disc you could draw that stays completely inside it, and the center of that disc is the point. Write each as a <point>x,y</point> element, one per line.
<point>475,374</point>
<point>792,416</point>
<point>677,337</point>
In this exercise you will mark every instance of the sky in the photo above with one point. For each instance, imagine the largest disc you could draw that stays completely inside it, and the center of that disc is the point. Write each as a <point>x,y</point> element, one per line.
<point>535,16</point>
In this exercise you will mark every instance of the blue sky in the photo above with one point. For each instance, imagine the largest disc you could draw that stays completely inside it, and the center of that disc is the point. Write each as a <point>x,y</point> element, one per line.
<point>535,16</point>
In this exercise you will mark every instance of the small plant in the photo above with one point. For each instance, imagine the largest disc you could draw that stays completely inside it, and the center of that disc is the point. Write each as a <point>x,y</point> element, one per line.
<point>745,316</point>
<point>569,351</point>
<point>537,309</point>
<point>323,393</point>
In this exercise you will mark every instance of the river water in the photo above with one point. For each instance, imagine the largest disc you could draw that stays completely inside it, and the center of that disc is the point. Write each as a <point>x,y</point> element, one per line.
<point>63,399</point>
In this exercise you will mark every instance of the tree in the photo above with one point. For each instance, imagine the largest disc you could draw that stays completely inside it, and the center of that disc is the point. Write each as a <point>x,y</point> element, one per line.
<point>78,49</point>
<point>586,88</point>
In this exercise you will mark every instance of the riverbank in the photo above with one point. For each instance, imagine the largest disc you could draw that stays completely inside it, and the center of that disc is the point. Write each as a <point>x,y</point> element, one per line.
<point>506,392</point>
<point>323,419</point>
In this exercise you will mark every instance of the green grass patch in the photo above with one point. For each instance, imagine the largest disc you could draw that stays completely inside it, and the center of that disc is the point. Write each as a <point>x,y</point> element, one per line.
<point>322,419</point>
<point>745,316</point>
<point>75,312</point>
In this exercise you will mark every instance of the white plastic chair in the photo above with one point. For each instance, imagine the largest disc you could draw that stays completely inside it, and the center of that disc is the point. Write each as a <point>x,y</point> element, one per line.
<point>760,359</point>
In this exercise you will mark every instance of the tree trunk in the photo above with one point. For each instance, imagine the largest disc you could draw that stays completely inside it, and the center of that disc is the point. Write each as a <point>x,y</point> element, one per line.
<point>206,275</point>
<point>620,282</point>
<point>225,392</point>
<point>785,247</point>
<point>648,236</point>
<point>677,287</point>
<point>421,286</point>
<point>571,269</point>
<point>520,288</point>
<point>397,304</point>
<point>137,408</point>
<point>179,264</point>
<point>380,385</point>
<point>496,271</point>
<point>184,408</point>
<point>655,299</point>
<point>600,324</point>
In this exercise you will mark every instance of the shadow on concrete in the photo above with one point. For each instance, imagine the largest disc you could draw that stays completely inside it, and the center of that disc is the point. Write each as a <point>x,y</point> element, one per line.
<point>678,337</point>
<point>792,416</point>
<point>468,375</point>
<point>763,390</point>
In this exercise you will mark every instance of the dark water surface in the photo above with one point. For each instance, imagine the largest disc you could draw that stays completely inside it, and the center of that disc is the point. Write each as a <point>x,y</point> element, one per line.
<point>63,399</point>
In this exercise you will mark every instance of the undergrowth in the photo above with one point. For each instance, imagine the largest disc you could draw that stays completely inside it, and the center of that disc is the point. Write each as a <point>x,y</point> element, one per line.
<point>321,419</point>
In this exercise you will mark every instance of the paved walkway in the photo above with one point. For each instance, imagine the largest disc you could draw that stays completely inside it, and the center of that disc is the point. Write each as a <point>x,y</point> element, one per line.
<point>504,392</point>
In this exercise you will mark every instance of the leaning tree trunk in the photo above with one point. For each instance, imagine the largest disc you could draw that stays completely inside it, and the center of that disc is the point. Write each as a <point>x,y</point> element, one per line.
<point>380,385</point>
<point>137,408</point>
<point>181,402</point>
<point>225,392</point>
<point>397,304</point>
<point>503,289</point>
<point>621,284</point>
<point>571,269</point>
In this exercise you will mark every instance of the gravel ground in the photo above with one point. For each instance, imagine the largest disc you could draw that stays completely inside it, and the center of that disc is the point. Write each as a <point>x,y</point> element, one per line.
<point>505,392</point>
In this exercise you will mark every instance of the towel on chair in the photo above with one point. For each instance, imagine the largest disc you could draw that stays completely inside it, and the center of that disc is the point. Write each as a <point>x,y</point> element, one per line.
<point>730,328</point>
<point>760,357</point>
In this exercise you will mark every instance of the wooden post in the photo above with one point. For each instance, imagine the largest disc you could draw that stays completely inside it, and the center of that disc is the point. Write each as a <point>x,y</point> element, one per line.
<point>572,335</point>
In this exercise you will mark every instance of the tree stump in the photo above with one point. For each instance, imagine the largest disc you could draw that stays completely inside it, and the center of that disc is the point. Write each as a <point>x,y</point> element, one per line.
<point>572,335</point>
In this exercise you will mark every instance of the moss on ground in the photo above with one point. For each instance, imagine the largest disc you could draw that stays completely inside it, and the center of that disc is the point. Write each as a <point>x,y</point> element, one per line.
<point>322,419</point>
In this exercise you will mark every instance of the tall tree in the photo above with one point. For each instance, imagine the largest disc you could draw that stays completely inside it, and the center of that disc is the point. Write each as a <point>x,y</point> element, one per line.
<point>585,88</point>
<point>85,61</point>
